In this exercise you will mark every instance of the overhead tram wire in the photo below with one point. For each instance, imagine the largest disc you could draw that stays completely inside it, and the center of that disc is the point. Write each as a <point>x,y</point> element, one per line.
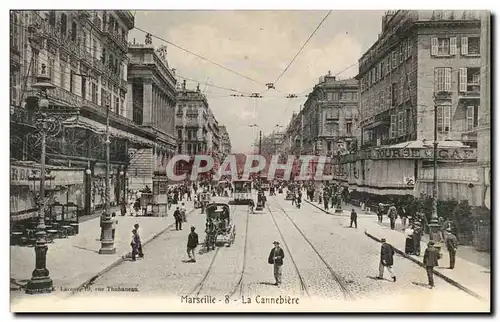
<point>301,48</point>
<point>199,56</point>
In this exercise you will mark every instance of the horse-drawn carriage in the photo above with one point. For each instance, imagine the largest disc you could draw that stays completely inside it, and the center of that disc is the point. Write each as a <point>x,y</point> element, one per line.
<point>220,228</point>
<point>261,201</point>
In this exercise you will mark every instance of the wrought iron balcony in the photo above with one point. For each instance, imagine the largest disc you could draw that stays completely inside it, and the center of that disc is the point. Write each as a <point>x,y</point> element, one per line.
<point>19,115</point>
<point>117,39</point>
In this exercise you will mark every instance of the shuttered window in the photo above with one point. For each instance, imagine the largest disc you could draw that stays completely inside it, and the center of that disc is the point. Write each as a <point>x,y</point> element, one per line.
<point>394,60</point>
<point>394,126</point>
<point>447,80</point>
<point>442,79</point>
<point>409,48</point>
<point>382,99</point>
<point>453,45</point>
<point>444,118</point>
<point>470,118</point>
<point>389,96</point>
<point>462,80</point>
<point>434,46</point>
<point>464,46</point>
<point>401,54</point>
<point>401,88</point>
<point>401,123</point>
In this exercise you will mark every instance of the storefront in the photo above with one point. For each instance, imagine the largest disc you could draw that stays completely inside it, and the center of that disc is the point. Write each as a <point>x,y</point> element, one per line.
<point>396,170</point>
<point>62,185</point>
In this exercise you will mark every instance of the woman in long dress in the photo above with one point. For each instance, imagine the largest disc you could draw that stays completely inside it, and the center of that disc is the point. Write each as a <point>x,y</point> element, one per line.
<point>409,248</point>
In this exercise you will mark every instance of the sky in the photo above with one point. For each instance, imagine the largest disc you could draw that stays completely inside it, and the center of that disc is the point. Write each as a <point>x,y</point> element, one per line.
<point>259,45</point>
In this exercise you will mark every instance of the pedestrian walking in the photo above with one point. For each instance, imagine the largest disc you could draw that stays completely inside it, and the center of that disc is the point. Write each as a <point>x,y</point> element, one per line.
<point>451,245</point>
<point>135,243</point>
<point>189,195</point>
<point>392,214</point>
<point>178,219</point>
<point>325,200</point>
<point>139,247</point>
<point>417,238</point>
<point>409,244</point>
<point>251,205</point>
<point>192,244</point>
<point>380,212</point>
<point>183,212</point>
<point>431,257</point>
<point>354,218</point>
<point>276,258</point>
<point>123,207</point>
<point>386,260</point>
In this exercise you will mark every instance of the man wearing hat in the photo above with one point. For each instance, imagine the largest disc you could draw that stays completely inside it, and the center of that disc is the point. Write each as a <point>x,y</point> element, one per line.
<point>417,238</point>
<point>192,244</point>
<point>431,257</point>
<point>276,258</point>
<point>451,245</point>
<point>386,259</point>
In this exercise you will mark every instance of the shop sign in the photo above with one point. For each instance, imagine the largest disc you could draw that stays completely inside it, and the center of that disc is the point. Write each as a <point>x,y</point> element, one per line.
<point>22,175</point>
<point>444,154</point>
<point>68,177</point>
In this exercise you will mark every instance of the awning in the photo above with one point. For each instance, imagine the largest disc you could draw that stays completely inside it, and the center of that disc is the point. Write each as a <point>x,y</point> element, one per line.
<point>376,124</point>
<point>420,144</point>
<point>99,128</point>
<point>28,215</point>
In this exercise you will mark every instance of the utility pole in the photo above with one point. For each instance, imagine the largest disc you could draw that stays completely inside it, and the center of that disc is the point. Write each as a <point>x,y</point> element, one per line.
<point>433,225</point>
<point>107,243</point>
<point>260,142</point>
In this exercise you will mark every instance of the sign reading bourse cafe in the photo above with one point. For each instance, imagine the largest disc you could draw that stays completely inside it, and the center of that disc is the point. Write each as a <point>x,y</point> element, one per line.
<point>444,154</point>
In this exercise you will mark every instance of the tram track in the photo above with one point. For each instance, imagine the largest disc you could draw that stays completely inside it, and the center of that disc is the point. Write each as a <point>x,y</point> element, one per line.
<point>338,279</point>
<point>199,287</point>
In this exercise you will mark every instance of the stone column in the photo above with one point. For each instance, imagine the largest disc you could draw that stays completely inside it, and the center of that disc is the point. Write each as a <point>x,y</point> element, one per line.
<point>147,86</point>
<point>129,107</point>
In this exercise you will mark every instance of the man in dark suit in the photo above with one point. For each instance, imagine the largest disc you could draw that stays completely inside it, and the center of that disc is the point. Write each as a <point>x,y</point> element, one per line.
<point>431,257</point>
<point>451,245</point>
<point>354,218</point>
<point>276,258</point>
<point>386,260</point>
<point>192,244</point>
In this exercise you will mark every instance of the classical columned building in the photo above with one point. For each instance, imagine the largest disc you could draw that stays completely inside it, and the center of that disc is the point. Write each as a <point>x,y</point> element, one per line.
<point>151,105</point>
<point>422,61</point>
<point>84,53</point>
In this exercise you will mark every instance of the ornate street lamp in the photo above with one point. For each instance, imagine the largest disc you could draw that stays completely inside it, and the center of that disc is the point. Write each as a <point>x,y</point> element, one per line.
<point>107,243</point>
<point>46,125</point>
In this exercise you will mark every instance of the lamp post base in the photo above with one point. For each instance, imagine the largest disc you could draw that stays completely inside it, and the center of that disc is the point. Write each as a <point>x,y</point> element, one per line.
<point>40,281</point>
<point>434,231</point>
<point>107,243</point>
<point>39,285</point>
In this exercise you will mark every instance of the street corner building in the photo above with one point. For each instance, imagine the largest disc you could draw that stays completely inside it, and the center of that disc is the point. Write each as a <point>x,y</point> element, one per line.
<point>426,72</point>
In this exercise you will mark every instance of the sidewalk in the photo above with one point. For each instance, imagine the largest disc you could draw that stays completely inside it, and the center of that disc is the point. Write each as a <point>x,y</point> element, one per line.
<point>468,276</point>
<point>75,261</point>
<point>468,253</point>
<point>346,210</point>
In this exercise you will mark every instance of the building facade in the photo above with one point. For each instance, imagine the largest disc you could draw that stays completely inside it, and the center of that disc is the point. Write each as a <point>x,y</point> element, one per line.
<point>85,55</point>
<point>225,140</point>
<point>422,61</point>
<point>151,99</point>
<point>197,128</point>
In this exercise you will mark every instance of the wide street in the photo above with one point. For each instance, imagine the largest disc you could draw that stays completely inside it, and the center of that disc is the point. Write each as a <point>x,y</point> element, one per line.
<point>324,260</point>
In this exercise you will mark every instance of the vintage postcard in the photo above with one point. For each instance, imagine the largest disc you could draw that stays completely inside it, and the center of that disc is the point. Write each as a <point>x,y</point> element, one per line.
<point>250,161</point>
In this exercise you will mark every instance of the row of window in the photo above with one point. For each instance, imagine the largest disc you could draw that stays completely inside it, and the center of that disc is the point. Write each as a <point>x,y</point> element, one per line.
<point>469,46</point>
<point>393,95</point>
<point>342,96</point>
<point>468,79</point>
<point>386,65</point>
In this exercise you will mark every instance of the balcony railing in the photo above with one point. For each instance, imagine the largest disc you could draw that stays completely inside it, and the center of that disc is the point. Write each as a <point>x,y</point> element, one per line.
<point>119,40</point>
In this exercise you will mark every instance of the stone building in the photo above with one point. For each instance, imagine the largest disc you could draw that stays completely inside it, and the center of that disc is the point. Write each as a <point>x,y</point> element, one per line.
<point>151,101</point>
<point>85,55</point>
<point>225,140</point>
<point>197,128</point>
<point>422,60</point>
